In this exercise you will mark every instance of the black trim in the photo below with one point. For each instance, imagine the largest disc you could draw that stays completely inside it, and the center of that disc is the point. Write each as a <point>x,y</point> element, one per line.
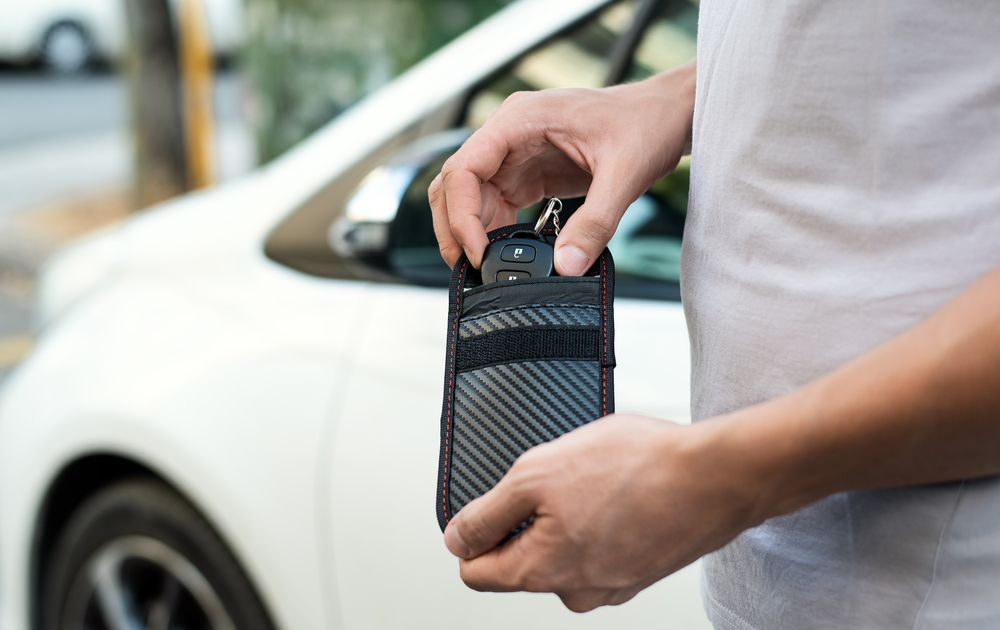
<point>552,290</point>
<point>447,406</point>
<point>621,55</point>
<point>516,345</point>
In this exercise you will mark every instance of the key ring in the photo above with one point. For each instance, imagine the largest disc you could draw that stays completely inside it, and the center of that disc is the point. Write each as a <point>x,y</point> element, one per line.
<point>550,210</point>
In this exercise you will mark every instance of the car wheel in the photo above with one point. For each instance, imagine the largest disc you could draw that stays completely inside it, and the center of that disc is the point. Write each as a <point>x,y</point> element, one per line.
<point>66,48</point>
<point>137,556</point>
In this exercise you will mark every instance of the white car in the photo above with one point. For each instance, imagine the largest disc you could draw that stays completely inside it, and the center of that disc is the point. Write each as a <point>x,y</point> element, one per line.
<point>67,34</point>
<point>231,417</point>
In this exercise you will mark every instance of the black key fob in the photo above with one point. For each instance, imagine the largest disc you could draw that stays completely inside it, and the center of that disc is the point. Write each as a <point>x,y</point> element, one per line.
<point>517,258</point>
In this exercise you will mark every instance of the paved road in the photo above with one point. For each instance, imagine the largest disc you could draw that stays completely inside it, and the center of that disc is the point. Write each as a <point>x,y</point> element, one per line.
<point>63,138</point>
<point>36,106</point>
<point>40,106</point>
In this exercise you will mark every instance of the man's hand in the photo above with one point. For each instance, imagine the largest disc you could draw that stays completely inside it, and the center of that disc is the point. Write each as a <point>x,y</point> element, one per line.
<point>618,504</point>
<point>609,144</point>
<point>627,500</point>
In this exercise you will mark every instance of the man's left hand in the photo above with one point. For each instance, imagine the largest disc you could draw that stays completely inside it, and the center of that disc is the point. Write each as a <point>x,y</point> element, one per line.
<point>618,504</point>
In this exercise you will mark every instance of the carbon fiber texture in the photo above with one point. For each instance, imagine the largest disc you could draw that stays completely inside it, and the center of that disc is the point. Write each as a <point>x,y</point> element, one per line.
<point>531,315</point>
<point>503,410</point>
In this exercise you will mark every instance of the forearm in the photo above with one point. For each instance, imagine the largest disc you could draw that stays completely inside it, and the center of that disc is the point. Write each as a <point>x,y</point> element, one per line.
<point>922,408</point>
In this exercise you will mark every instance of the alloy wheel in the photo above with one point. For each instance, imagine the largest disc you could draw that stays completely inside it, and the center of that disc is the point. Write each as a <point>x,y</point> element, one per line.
<point>139,583</point>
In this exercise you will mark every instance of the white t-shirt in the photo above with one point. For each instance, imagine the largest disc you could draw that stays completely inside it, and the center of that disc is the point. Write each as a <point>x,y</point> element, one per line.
<point>845,184</point>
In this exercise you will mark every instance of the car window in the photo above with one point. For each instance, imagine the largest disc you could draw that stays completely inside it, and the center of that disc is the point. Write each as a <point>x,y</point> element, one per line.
<point>668,40</point>
<point>300,240</point>
<point>580,58</point>
<point>647,244</point>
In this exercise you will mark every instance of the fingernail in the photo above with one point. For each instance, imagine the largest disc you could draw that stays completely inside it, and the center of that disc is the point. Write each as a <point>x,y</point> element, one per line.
<point>453,540</point>
<point>571,260</point>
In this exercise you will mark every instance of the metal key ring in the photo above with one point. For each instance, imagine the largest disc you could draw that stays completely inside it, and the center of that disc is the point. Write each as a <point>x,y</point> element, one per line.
<point>550,210</point>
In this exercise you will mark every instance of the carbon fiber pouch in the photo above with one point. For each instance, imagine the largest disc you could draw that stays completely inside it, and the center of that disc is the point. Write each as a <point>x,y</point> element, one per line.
<point>527,361</point>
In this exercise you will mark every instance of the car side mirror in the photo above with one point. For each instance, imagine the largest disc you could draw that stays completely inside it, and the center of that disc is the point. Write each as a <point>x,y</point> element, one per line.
<point>386,224</point>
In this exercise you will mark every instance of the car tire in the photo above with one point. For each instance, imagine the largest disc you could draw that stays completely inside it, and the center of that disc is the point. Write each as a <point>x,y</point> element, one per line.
<point>137,555</point>
<point>66,48</point>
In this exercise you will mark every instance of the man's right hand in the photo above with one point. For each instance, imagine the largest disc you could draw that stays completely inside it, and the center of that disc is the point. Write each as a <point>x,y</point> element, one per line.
<point>610,144</point>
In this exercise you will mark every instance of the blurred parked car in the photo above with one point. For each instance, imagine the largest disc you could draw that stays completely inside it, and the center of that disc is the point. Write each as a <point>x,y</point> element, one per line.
<point>230,419</point>
<point>66,35</point>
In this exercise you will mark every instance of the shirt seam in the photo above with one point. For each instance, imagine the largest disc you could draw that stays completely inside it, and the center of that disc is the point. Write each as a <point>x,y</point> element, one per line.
<point>725,614</point>
<point>937,557</point>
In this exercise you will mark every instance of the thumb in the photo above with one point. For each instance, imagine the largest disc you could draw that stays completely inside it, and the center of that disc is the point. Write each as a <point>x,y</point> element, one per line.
<point>484,522</point>
<point>590,228</point>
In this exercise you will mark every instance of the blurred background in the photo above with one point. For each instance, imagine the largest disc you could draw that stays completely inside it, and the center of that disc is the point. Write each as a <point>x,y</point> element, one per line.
<point>109,106</point>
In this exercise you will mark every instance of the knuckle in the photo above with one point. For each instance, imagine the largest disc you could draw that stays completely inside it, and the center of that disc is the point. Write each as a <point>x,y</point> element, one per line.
<point>449,167</point>
<point>533,577</point>
<point>533,458</point>
<point>579,603</point>
<point>619,597</point>
<point>534,583</point>
<point>450,253</point>
<point>434,190</point>
<point>517,97</point>
<point>470,577</point>
<point>520,479</point>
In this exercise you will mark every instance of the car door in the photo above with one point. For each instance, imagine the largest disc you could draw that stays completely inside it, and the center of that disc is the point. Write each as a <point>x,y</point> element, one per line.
<point>386,566</point>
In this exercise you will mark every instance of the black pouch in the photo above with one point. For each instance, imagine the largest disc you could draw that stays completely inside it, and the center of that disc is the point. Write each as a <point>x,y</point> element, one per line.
<point>527,361</point>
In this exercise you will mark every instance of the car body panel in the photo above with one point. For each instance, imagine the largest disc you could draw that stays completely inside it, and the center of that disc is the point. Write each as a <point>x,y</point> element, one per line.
<point>228,407</point>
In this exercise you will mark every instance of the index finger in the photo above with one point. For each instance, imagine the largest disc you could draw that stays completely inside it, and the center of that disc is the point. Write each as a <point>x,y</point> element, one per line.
<point>450,248</point>
<point>459,208</point>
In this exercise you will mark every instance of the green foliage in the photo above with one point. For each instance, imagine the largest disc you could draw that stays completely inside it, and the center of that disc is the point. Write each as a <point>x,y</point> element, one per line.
<point>311,59</point>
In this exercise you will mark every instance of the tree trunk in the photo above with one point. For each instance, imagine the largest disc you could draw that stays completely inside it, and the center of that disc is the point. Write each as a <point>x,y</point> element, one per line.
<point>161,165</point>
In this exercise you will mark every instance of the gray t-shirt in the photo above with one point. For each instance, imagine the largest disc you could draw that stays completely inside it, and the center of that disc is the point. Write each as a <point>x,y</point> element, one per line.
<point>845,184</point>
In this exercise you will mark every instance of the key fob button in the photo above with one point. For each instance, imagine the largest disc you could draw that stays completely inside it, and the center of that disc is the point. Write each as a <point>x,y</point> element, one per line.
<point>517,253</point>
<point>516,258</point>
<point>512,275</point>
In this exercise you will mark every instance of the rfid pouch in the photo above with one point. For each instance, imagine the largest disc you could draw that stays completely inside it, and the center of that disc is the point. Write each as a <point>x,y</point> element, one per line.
<point>527,360</point>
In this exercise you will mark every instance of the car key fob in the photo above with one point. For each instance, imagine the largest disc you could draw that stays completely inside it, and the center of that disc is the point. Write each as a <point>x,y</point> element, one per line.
<point>523,254</point>
<point>517,258</point>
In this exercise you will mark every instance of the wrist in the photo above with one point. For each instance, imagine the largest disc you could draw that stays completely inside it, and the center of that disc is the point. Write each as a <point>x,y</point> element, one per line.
<point>757,453</point>
<point>669,98</point>
<point>732,464</point>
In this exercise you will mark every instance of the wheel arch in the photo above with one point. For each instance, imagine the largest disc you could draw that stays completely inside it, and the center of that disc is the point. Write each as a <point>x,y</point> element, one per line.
<point>75,483</point>
<point>70,19</point>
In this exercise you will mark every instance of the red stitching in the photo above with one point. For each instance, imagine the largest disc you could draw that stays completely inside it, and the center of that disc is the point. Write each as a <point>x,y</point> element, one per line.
<point>604,323</point>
